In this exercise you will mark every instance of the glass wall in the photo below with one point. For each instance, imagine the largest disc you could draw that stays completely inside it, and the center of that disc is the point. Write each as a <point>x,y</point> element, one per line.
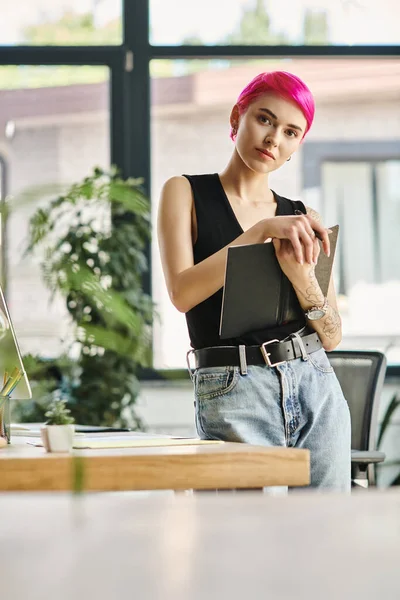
<point>61,22</point>
<point>54,122</point>
<point>51,134</point>
<point>267,22</point>
<point>348,169</point>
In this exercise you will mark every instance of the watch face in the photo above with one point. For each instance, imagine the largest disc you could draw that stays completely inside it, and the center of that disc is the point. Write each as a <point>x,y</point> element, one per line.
<point>315,314</point>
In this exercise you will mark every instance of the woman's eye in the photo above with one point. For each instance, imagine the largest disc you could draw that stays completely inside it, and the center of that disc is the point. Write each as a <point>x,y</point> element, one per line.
<point>292,133</point>
<point>264,119</point>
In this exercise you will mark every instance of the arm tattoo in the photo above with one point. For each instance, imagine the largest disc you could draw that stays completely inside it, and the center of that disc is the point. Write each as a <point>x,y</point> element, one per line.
<point>313,292</point>
<point>332,323</point>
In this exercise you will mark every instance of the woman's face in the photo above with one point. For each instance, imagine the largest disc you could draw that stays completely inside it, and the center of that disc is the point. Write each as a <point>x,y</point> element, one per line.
<point>268,132</point>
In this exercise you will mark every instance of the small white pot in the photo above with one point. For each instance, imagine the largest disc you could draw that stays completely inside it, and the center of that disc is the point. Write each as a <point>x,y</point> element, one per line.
<point>58,438</point>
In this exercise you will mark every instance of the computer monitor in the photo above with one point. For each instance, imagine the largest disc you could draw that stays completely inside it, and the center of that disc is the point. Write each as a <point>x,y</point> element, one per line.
<point>10,355</point>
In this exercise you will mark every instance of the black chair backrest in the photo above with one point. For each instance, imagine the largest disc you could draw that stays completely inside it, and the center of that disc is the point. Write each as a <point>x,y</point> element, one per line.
<point>361,375</point>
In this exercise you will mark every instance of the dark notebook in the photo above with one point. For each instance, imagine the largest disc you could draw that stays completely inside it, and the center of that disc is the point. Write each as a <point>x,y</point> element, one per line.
<point>257,295</point>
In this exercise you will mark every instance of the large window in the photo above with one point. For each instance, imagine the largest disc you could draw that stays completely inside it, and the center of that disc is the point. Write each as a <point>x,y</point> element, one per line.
<point>61,22</point>
<point>52,134</point>
<point>74,76</point>
<point>3,183</point>
<point>267,22</point>
<point>364,197</point>
<point>190,134</point>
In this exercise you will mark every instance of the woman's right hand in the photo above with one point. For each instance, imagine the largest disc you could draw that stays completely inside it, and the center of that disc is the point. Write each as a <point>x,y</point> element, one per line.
<point>301,230</point>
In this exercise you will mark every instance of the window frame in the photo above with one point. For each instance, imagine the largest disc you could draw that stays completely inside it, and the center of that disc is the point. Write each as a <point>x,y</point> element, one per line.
<point>130,115</point>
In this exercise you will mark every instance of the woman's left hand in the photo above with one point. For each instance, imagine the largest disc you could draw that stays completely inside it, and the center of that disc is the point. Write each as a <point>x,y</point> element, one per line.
<point>297,273</point>
<point>309,293</point>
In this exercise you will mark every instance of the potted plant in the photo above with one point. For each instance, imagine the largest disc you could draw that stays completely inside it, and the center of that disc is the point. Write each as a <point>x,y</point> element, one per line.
<point>92,243</point>
<point>392,461</point>
<point>59,429</point>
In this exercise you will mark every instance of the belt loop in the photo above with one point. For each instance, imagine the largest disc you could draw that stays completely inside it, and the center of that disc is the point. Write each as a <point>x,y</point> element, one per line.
<point>188,353</point>
<point>303,350</point>
<point>242,359</point>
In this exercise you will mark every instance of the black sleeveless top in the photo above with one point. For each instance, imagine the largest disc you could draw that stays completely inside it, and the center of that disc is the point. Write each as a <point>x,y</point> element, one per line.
<point>217,226</point>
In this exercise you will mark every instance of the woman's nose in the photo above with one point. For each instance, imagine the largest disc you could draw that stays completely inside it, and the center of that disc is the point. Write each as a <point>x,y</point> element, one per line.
<point>272,137</point>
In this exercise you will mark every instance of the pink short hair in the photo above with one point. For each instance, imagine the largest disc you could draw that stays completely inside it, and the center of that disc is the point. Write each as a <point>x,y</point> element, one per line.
<point>284,84</point>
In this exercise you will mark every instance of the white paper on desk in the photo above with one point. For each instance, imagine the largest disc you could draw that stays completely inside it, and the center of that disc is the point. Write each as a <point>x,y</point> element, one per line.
<point>121,442</point>
<point>24,430</point>
<point>82,444</point>
<point>34,431</point>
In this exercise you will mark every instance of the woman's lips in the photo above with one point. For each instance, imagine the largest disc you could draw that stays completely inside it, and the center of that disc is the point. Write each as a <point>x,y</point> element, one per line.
<point>265,155</point>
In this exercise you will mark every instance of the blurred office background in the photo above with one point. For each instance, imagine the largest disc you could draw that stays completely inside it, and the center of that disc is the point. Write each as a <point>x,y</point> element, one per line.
<point>148,85</point>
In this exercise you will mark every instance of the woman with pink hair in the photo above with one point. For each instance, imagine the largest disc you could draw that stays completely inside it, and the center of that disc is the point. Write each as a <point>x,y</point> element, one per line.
<point>238,395</point>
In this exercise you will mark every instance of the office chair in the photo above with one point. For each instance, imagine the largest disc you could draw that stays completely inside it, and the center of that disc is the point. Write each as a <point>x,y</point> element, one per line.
<point>361,375</point>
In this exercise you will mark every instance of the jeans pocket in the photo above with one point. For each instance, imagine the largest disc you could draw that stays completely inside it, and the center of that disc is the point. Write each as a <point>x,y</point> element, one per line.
<point>211,382</point>
<point>320,361</point>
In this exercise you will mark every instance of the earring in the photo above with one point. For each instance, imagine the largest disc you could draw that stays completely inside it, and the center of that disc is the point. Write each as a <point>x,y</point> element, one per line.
<point>288,159</point>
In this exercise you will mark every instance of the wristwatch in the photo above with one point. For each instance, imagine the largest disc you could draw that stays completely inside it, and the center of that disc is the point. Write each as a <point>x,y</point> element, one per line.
<point>317,312</point>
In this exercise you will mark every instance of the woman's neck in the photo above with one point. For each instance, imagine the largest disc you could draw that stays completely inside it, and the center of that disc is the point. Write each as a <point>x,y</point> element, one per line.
<point>243,183</point>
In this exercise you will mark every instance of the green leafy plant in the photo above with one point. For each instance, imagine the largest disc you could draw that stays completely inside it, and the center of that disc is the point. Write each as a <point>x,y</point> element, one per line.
<point>58,414</point>
<point>91,242</point>
<point>50,378</point>
<point>392,408</point>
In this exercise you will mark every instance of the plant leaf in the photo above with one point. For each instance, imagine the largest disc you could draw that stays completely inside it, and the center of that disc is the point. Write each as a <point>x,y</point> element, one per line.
<point>392,407</point>
<point>396,481</point>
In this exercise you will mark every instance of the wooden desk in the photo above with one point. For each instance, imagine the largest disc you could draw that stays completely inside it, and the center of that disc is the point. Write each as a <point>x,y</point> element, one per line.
<point>24,467</point>
<point>307,546</point>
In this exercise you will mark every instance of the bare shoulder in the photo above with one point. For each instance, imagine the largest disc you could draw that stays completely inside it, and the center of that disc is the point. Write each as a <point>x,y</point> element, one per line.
<point>177,185</point>
<point>175,206</point>
<point>313,214</point>
<point>174,229</point>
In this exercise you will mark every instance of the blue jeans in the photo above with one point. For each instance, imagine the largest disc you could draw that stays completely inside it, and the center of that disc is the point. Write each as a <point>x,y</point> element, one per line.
<point>298,404</point>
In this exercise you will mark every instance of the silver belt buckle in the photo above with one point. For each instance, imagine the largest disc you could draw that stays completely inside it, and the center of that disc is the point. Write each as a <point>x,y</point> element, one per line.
<point>266,354</point>
<point>189,368</point>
